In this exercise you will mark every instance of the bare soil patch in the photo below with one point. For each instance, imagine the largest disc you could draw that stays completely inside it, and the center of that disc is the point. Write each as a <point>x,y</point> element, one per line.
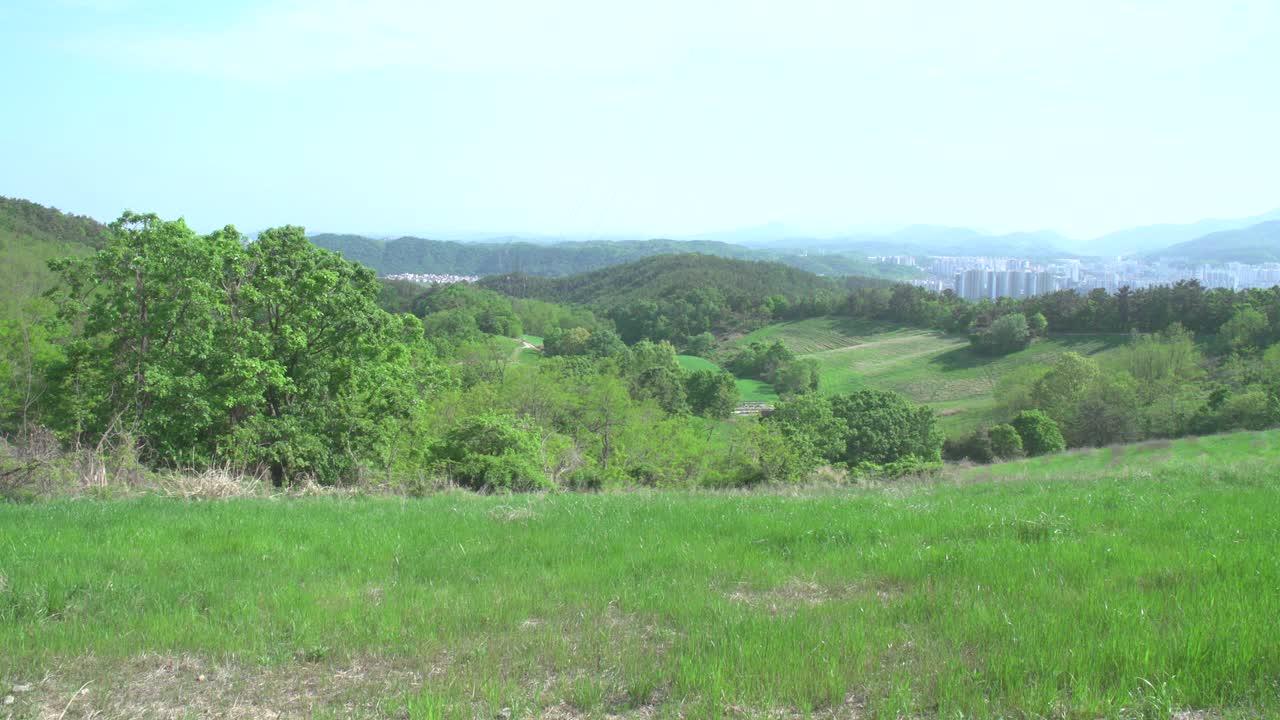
<point>796,594</point>
<point>164,686</point>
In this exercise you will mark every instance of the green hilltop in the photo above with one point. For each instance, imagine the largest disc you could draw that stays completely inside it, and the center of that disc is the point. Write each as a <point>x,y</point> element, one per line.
<point>669,276</point>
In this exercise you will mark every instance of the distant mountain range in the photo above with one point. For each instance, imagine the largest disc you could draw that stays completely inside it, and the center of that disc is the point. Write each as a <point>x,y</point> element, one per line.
<point>941,240</point>
<point>946,240</point>
<point>420,255</point>
<point>1255,244</point>
<point>31,233</point>
<point>1147,238</point>
<point>1250,240</point>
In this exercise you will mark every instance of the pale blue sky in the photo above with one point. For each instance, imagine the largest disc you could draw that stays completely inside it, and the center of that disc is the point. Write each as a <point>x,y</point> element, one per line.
<point>651,118</point>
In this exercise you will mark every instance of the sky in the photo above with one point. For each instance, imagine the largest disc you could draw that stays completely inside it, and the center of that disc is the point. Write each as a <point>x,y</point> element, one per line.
<point>655,118</point>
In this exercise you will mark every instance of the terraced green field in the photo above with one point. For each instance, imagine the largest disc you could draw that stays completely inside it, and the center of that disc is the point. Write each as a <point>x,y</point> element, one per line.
<point>693,362</point>
<point>1207,454</point>
<point>749,390</point>
<point>926,366</point>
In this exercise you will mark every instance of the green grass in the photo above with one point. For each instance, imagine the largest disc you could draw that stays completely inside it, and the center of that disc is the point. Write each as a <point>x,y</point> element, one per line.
<point>532,339</point>
<point>693,362</point>
<point>1210,450</point>
<point>748,390</point>
<point>926,366</point>
<point>1074,587</point>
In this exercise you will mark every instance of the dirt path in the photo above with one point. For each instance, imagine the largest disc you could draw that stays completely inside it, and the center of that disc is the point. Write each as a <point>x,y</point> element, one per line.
<point>524,345</point>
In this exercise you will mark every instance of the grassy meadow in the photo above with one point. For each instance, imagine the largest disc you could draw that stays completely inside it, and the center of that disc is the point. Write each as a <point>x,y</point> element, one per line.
<point>1106,584</point>
<point>925,365</point>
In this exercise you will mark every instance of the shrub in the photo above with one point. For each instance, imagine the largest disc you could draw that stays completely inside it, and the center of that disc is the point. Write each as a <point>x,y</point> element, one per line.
<point>1039,433</point>
<point>975,448</point>
<point>1005,441</point>
<point>493,452</point>
<point>1007,334</point>
<point>811,427</point>
<point>711,393</point>
<point>884,427</point>
<point>701,344</point>
<point>908,466</point>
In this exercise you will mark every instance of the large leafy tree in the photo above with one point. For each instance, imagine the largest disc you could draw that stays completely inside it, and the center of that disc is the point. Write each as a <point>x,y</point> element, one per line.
<point>148,306</point>
<point>1009,333</point>
<point>711,393</point>
<point>884,427</point>
<point>813,429</point>
<point>213,349</point>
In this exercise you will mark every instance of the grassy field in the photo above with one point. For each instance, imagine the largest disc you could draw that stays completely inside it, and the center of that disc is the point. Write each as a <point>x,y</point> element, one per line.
<point>749,390</point>
<point>532,339</point>
<point>1207,451</point>
<point>1074,587</point>
<point>519,353</point>
<point>926,366</point>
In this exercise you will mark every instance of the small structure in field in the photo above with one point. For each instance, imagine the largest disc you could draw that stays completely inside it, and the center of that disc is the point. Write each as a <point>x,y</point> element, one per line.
<point>753,408</point>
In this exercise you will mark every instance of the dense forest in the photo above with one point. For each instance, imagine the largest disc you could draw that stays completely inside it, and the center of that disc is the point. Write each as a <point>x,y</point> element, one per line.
<point>677,297</point>
<point>417,255</point>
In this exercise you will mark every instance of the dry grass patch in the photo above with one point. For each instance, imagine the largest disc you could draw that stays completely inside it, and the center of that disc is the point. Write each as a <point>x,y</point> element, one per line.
<point>797,594</point>
<point>165,686</point>
<point>215,484</point>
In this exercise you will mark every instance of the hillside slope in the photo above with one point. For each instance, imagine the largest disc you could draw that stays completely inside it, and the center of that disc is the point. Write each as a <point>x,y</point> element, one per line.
<point>1209,453</point>
<point>1254,244</point>
<point>31,235</point>
<point>927,366</point>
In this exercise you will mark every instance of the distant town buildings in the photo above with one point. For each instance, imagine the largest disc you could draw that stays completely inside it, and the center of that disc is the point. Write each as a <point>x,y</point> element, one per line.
<point>979,284</point>
<point>433,279</point>
<point>894,259</point>
<point>976,278</point>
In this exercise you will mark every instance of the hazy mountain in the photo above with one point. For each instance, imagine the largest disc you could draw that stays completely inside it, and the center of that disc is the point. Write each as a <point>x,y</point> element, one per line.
<point>944,240</point>
<point>1148,238</point>
<point>772,234</point>
<point>1258,243</point>
<point>419,255</point>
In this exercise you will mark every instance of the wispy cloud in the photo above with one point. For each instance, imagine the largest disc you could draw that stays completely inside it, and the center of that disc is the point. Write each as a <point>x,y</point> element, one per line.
<point>292,39</point>
<point>288,39</point>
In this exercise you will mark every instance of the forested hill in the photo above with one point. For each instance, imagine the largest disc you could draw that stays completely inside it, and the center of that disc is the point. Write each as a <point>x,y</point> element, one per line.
<point>668,277</point>
<point>1254,244</point>
<point>418,255</point>
<point>32,234</point>
<point>678,296</point>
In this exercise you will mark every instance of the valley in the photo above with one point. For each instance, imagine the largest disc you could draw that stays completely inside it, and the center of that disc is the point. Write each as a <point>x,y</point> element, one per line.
<point>929,367</point>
